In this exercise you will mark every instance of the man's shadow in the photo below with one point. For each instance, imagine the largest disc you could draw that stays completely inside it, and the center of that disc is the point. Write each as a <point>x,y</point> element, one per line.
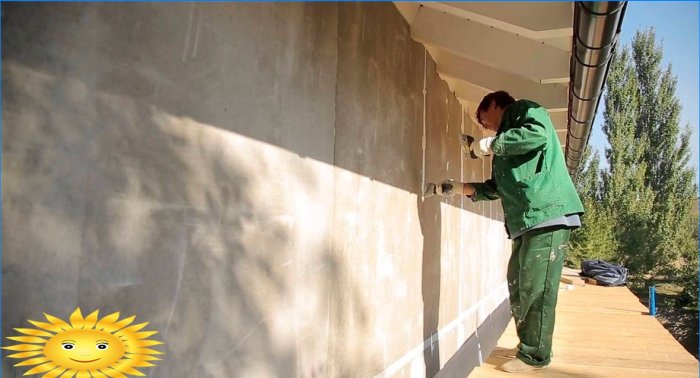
<point>430,222</point>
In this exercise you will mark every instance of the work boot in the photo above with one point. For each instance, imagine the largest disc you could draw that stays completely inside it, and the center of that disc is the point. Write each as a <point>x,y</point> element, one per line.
<point>517,366</point>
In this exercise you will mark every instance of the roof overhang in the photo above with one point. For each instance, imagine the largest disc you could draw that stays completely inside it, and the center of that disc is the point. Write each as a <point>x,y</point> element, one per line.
<point>523,48</point>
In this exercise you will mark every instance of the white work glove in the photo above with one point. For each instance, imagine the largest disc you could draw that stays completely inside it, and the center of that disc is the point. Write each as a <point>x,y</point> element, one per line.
<point>482,147</point>
<point>449,188</point>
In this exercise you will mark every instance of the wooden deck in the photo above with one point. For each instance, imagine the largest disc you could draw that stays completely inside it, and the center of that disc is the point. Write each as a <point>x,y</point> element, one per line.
<point>602,332</point>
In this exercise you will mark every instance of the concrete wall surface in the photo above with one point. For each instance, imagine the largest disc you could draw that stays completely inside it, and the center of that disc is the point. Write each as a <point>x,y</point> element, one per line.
<point>247,178</point>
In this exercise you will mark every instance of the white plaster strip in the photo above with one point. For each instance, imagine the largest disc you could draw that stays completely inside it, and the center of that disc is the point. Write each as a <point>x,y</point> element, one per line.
<point>424,141</point>
<point>187,35</point>
<point>461,219</point>
<point>496,296</point>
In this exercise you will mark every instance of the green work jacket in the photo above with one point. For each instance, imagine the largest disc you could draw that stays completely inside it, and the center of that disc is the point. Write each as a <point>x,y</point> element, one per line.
<point>528,172</point>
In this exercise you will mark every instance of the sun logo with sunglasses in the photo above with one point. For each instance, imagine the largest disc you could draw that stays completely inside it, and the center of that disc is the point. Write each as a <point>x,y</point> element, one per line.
<point>87,347</point>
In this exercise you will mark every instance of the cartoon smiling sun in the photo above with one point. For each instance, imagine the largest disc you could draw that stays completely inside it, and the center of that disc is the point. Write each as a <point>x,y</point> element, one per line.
<point>87,347</point>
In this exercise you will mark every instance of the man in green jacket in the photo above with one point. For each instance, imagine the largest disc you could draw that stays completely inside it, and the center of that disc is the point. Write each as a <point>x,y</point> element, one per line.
<point>541,208</point>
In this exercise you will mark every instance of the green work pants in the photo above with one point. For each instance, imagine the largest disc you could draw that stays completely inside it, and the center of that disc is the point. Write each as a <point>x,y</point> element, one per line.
<point>534,271</point>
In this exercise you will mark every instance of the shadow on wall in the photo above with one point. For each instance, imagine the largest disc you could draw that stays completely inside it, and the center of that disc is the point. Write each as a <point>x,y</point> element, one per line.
<point>430,283</point>
<point>141,170</point>
<point>177,236</point>
<point>266,71</point>
<point>110,202</point>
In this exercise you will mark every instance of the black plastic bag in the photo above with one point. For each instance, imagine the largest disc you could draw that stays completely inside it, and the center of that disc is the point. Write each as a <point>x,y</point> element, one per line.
<point>605,273</point>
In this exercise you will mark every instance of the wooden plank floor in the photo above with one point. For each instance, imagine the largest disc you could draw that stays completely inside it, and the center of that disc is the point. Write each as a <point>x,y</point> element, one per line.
<point>602,332</point>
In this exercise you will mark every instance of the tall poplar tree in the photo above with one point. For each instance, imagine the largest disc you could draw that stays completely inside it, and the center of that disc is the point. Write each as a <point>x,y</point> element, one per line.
<point>626,197</point>
<point>648,189</point>
<point>667,154</point>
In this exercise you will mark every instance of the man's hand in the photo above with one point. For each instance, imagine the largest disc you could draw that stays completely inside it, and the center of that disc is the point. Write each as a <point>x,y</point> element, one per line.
<point>449,188</point>
<point>483,147</point>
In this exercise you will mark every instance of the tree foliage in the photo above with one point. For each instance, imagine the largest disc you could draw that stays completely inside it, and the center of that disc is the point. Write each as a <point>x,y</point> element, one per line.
<point>639,207</point>
<point>596,237</point>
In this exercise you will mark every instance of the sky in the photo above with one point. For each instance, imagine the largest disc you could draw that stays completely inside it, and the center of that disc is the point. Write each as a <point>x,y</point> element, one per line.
<point>676,26</point>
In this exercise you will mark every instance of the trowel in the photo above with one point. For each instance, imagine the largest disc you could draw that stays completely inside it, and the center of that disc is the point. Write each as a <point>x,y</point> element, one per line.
<point>429,190</point>
<point>466,142</point>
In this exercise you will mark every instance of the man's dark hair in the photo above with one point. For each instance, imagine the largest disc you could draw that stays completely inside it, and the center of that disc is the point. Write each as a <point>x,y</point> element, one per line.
<point>502,99</point>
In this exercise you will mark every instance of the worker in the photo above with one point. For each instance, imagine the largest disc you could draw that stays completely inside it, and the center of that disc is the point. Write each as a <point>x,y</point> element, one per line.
<point>541,207</point>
